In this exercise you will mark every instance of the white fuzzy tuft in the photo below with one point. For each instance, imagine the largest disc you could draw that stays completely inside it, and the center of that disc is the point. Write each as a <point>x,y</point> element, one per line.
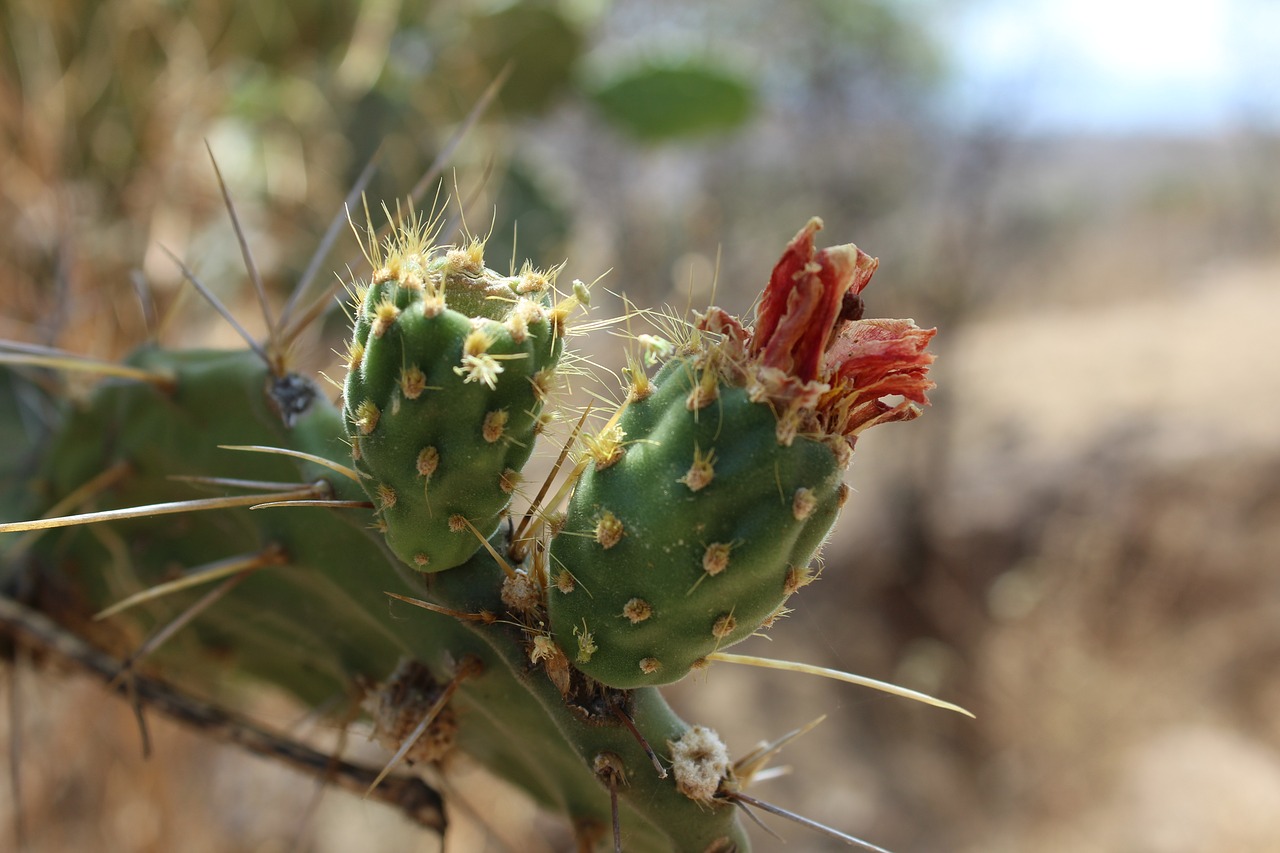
<point>701,762</point>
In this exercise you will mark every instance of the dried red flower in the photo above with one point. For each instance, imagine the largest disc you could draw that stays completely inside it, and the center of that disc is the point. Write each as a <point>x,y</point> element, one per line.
<point>812,356</point>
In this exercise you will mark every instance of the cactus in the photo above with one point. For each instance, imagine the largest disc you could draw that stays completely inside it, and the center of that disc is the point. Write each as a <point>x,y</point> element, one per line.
<point>694,525</point>
<point>532,649</point>
<point>447,371</point>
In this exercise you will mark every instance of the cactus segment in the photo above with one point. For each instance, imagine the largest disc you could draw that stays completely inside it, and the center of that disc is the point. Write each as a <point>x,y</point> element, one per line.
<point>448,369</point>
<point>731,475</point>
<point>668,573</point>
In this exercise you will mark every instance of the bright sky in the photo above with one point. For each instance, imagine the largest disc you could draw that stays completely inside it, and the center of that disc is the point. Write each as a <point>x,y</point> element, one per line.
<point>1183,65</point>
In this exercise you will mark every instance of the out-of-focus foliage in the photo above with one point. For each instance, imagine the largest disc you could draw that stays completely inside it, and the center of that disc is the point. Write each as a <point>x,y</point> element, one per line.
<point>663,102</point>
<point>540,44</point>
<point>104,110</point>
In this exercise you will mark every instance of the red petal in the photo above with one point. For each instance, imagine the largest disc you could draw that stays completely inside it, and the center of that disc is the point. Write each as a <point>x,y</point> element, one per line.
<point>871,359</point>
<point>802,303</point>
<point>774,302</point>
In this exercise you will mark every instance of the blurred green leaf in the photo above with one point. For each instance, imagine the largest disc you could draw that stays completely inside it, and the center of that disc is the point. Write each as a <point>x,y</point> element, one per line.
<point>656,102</point>
<point>541,46</point>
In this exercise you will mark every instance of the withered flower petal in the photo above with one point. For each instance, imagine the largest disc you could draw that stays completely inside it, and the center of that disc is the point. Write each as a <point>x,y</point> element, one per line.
<point>808,351</point>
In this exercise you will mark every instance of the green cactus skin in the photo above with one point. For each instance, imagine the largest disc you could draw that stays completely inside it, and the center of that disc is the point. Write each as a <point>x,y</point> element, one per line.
<point>321,624</point>
<point>442,405</point>
<point>693,538</point>
<point>25,411</point>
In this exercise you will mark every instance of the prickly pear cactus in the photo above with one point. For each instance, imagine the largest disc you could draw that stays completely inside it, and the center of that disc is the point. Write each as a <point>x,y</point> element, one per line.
<point>361,552</point>
<point>697,519</point>
<point>448,369</point>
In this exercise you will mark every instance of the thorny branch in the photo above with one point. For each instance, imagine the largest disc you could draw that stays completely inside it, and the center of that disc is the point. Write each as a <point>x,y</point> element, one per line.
<point>414,797</point>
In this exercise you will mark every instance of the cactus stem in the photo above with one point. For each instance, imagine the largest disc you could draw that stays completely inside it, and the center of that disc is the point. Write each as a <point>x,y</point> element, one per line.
<point>745,800</point>
<point>272,555</point>
<point>484,616</point>
<point>160,637</point>
<point>861,680</point>
<point>296,454</point>
<point>410,795</point>
<point>315,490</point>
<point>470,667</point>
<point>77,363</point>
<point>630,724</point>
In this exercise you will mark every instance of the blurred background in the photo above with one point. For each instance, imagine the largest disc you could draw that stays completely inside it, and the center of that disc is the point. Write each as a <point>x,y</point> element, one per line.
<point>1080,541</point>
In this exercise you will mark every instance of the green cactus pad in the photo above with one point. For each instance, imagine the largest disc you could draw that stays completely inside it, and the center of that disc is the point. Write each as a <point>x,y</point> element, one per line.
<point>442,404</point>
<point>692,538</point>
